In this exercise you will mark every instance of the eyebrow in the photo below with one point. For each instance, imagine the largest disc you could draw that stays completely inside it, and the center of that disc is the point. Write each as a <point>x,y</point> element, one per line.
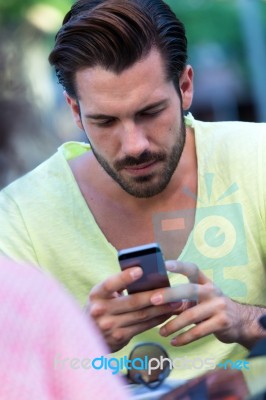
<point>149,107</point>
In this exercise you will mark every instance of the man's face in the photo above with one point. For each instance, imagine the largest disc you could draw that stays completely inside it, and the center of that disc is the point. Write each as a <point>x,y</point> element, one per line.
<point>134,122</point>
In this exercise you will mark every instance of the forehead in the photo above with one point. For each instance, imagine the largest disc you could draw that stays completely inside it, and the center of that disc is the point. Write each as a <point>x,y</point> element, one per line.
<point>103,90</point>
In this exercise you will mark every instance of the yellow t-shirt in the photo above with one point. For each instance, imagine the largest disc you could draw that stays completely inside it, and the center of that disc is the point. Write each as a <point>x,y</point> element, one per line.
<point>45,220</point>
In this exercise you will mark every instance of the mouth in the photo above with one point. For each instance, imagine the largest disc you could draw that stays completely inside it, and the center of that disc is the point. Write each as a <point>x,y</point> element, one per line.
<point>141,169</point>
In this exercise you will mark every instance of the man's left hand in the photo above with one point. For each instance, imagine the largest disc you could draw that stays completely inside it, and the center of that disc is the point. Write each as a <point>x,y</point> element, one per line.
<point>211,313</point>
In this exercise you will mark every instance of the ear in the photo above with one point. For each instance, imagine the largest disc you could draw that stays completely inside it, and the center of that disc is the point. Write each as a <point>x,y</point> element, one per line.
<point>186,87</point>
<point>73,104</point>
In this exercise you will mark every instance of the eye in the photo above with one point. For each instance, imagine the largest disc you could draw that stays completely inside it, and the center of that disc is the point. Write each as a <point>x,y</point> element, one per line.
<point>104,123</point>
<point>151,113</point>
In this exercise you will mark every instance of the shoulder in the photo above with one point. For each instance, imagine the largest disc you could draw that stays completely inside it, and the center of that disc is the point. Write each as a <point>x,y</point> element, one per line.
<point>224,128</point>
<point>31,184</point>
<point>50,179</point>
<point>230,139</point>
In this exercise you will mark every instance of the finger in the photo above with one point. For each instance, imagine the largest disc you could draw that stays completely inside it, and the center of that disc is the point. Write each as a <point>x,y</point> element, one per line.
<point>138,302</point>
<point>116,283</point>
<point>124,334</point>
<point>201,330</point>
<point>194,315</point>
<point>146,314</point>
<point>185,305</point>
<point>182,292</point>
<point>109,324</point>
<point>185,291</point>
<point>190,270</point>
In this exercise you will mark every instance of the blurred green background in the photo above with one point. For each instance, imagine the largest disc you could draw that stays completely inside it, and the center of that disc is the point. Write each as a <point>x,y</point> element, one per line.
<point>227,48</point>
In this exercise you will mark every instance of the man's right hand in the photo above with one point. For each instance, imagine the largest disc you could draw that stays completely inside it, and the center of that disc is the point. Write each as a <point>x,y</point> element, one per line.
<point>120,317</point>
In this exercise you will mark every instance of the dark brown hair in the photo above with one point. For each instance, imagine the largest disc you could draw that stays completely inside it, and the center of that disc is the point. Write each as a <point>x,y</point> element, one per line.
<point>115,34</point>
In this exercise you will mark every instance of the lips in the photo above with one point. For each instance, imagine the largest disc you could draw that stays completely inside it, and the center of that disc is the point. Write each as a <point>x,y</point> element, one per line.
<point>145,160</point>
<point>141,169</point>
<point>140,166</point>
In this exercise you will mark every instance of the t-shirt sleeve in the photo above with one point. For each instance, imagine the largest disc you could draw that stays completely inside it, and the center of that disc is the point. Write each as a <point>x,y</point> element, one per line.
<point>15,241</point>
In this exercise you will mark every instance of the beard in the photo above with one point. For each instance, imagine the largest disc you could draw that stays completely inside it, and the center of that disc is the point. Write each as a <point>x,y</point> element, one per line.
<point>148,185</point>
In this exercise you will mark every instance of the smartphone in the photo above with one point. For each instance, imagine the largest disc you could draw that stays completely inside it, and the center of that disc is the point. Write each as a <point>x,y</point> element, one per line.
<point>150,258</point>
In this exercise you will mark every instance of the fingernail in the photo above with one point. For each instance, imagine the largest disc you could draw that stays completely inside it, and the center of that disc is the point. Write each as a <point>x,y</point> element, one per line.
<point>136,273</point>
<point>173,342</point>
<point>157,299</point>
<point>171,267</point>
<point>163,332</point>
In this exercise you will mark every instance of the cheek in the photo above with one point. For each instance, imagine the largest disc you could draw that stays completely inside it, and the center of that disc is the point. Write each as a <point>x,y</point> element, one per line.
<point>168,129</point>
<point>103,142</point>
<point>170,121</point>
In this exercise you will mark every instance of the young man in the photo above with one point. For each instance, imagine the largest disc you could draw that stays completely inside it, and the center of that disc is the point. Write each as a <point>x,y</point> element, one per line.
<point>123,67</point>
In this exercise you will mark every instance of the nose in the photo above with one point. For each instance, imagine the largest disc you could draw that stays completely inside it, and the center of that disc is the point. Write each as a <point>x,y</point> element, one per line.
<point>134,140</point>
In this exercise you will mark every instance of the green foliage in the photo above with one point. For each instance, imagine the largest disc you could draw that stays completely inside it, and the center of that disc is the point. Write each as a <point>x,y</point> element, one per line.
<point>217,20</point>
<point>13,10</point>
<point>206,20</point>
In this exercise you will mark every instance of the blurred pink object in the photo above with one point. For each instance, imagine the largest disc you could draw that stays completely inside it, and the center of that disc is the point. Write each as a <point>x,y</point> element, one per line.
<point>40,327</point>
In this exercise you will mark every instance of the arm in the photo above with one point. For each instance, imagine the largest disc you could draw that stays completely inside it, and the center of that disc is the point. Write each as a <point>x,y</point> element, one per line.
<point>211,313</point>
<point>121,317</point>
